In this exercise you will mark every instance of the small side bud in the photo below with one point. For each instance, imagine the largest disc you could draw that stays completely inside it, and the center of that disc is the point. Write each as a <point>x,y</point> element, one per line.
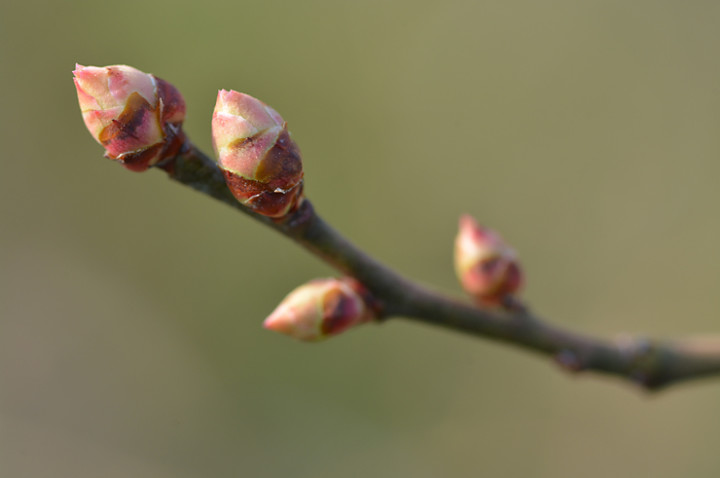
<point>322,308</point>
<point>261,163</point>
<point>135,116</point>
<point>487,267</point>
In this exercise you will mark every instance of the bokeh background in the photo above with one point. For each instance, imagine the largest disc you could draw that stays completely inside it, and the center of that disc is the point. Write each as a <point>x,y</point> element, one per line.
<point>130,307</point>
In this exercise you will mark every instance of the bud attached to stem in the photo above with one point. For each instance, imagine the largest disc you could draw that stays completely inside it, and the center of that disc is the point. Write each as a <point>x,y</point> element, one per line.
<point>135,116</point>
<point>322,308</point>
<point>261,163</point>
<point>487,267</point>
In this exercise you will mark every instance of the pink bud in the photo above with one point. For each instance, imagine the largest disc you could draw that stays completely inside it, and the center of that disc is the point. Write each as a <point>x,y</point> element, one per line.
<point>261,163</point>
<point>487,267</point>
<point>136,116</point>
<point>321,308</point>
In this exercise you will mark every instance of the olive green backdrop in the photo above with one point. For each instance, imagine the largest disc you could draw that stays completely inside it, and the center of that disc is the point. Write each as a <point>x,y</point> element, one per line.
<point>130,307</point>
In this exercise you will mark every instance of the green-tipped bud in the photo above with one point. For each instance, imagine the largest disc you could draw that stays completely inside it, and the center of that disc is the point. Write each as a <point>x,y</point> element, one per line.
<point>135,116</point>
<point>487,267</point>
<point>322,308</point>
<point>260,161</point>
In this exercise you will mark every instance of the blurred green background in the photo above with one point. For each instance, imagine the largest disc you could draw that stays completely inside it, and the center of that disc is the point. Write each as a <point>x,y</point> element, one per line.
<point>587,132</point>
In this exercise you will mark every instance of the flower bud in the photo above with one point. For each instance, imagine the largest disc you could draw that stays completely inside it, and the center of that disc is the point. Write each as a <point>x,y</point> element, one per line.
<point>136,116</point>
<point>321,308</point>
<point>260,161</point>
<point>487,267</point>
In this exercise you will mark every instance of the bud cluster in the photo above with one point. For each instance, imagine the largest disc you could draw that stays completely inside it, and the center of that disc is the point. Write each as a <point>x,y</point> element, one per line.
<point>138,117</point>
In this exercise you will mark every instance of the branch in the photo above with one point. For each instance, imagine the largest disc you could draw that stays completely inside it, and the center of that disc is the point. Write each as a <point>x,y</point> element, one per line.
<point>652,365</point>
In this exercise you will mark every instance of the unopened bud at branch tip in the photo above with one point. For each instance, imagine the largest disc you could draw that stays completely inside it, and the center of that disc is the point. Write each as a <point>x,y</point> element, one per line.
<point>135,116</point>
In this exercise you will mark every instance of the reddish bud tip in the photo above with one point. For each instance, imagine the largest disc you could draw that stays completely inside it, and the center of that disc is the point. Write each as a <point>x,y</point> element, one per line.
<point>487,267</point>
<point>321,308</point>
<point>261,163</point>
<point>135,116</point>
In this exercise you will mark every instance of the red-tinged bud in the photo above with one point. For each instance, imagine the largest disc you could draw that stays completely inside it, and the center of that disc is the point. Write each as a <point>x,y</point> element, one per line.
<point>322,308</point>
<point>487,267</point>
<point>261,163</point>
<point>136,116</point>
